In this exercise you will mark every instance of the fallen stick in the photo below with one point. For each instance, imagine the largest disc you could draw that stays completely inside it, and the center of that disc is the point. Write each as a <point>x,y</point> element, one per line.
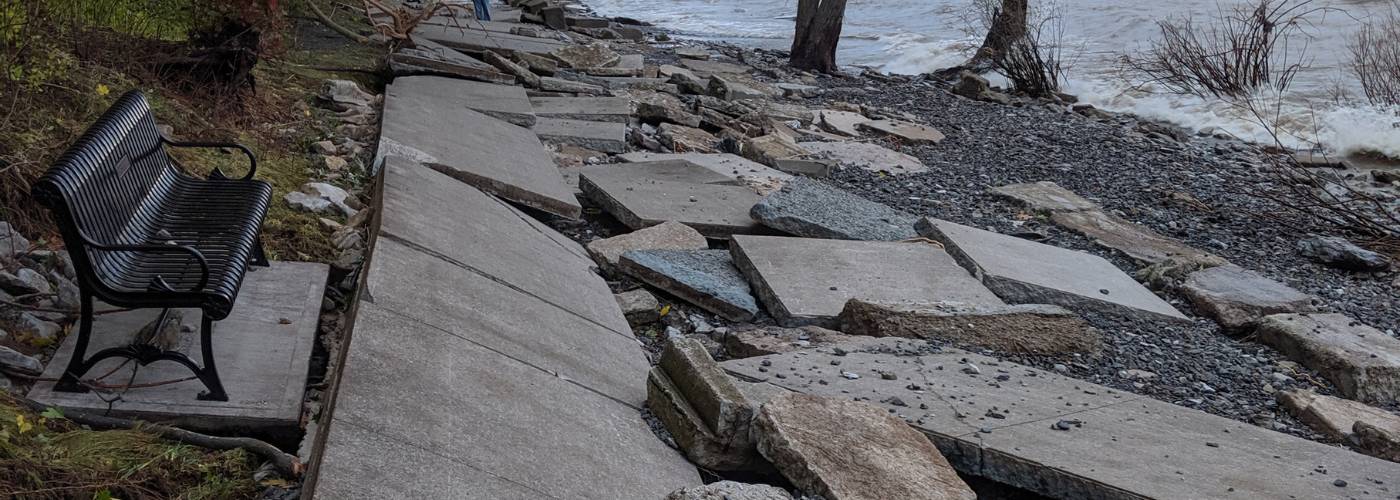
<point>285,463</point>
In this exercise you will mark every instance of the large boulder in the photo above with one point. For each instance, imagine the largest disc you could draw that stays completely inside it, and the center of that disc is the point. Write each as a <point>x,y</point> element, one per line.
<point>847,450</point>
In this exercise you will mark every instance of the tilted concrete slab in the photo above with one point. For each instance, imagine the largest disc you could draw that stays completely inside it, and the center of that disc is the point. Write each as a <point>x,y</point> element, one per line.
<point>598,109</point>
<point>872,157</point>
<point>608,137</point>
<point>1362,361</point>
<point>430,58</point>
<point>1134,240</point>
<point>262,351</point>
<point>1116,445</point>
<point>497,157</point>
<point>455,299</point>
<point>503,102</point>
<point>429,210</point>
<point>487,425</point>
<point>1026,272</point>
<point>805,281</point>
<point>707,68</point>
<point>646,194</point>
<point>1044,196</point>
<point>474,40</point>
<point>808,208</point>
<point>706,278</point>
<point>734,166</point>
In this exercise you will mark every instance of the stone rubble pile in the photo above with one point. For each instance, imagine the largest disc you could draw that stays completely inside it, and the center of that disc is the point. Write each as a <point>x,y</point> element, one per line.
<point>851,336</point>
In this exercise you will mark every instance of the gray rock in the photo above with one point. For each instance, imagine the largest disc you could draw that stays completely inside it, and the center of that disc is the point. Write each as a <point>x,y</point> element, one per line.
<point>730,490</point>
<point>910,133</point>
<point>27,327</point>
<point>12,360</point>
<point>869,156</point>
<point>656,108</point>
<point>811,209</point>
<point>1044,196</point>
<point>69,296</point>
<point>695,53</point>
<point>845,123</point>
<point>25,281</point>
<point>706,278</point>
<point>1238,298</point>
<point>521,73</point>
<point>1342,254</point>
<point>11,242</point>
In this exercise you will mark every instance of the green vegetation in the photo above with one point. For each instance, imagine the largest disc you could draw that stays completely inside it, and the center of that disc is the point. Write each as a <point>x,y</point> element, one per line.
<point>46,456</point>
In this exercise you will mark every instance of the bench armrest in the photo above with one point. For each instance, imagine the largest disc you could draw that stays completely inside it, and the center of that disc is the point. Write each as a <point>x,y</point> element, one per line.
<point>186,249</point>
<point>252,160</point>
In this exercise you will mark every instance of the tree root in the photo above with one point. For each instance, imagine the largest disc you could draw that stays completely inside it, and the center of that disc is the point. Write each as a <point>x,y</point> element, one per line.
<point>285,463</point>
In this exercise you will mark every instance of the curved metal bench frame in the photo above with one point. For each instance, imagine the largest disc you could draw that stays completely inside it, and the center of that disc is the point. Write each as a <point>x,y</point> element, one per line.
<point>87,170</point>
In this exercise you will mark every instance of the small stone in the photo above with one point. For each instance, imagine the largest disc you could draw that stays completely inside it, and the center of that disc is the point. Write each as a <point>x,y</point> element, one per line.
<point>14,361</point>
<point>25,281</point>
<point>11,242</point>
<point>336,163</point>
<point>324,148</point>
<point>639,306</point>
<point>971,369</point>
<point>850,376</point>
<point>1340,483</point>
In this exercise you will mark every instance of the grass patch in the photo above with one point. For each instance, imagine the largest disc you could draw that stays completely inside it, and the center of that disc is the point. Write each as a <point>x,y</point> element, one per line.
<point>46,456</point>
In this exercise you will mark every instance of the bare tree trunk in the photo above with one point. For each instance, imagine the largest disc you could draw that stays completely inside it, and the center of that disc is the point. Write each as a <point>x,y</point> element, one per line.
<point>1008,25</point>
<point>818,31</point>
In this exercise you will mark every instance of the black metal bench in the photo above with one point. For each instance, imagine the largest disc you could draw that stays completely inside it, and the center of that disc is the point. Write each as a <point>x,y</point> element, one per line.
<point>143,234</point>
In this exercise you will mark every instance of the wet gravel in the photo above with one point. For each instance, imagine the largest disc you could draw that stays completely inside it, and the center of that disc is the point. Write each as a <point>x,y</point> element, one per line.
<point>1196,192</point>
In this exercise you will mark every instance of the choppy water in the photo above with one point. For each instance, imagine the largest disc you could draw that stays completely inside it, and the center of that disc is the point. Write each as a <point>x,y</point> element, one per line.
<point>915,36</point>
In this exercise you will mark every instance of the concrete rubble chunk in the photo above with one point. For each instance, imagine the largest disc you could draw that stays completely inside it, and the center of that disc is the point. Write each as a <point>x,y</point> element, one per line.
<point>657,107</point>
<point>497,157</point>
<point>552,84</point>
<point>1362,361</point>
<point>598,109</point>
<point>665,236</point>
<point>683,139</point>
<point>750,173</point>
<point>730,490</point>
<point>775,339</point>
<point>735,88</point>
<point>427,57</point>
<point>608,137</point>
<point>639,306</point>
<point>1026,272</point>
<point>521,73</point>
<point>1044,196</point>
<point>477,41</point>
<point>646,194</point>
<point>797,90</point>
<point>1003,423</point>
<point>869,156</point>
<point>628,65</point>
<point>1237,298</point>
<point>1338,419</point>
<point>704,68</point>
<point>771,149</point>
<point>1022,328</point>
<point>1134,240</point>
<point>1342,254</point>
<point>503,102</point>
<point>696,53</point>
<point>845,123</point>
<point>847,450</point>
<point>810,209</point>
<point>597,55</point>
<point>667,70</point>
<point>702,408</point>
<point>540,65</point>
<point>911,133</point>
<point>706,278</point>
<point>13,361</point>
<point>804,281</point>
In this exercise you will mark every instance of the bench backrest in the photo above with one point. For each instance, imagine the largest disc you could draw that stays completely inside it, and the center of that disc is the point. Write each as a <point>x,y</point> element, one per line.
<point>100,186</point>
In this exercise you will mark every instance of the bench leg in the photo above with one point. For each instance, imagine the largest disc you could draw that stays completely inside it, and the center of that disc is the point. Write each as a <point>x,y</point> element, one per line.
<point>76,366</point>
<point>210,373</point>
<point>143,354</point>
<point>259,257</point>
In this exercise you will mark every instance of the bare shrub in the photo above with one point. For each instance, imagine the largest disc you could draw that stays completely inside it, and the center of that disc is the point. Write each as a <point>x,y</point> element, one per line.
<point>398,22</point>
<point>1375,58</point>
<point>1033,60</point>
<point>1252,46</point>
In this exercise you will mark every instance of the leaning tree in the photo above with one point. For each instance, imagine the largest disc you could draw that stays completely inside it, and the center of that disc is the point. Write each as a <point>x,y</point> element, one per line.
<point>1008,25</point>
<point>818,31</point>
